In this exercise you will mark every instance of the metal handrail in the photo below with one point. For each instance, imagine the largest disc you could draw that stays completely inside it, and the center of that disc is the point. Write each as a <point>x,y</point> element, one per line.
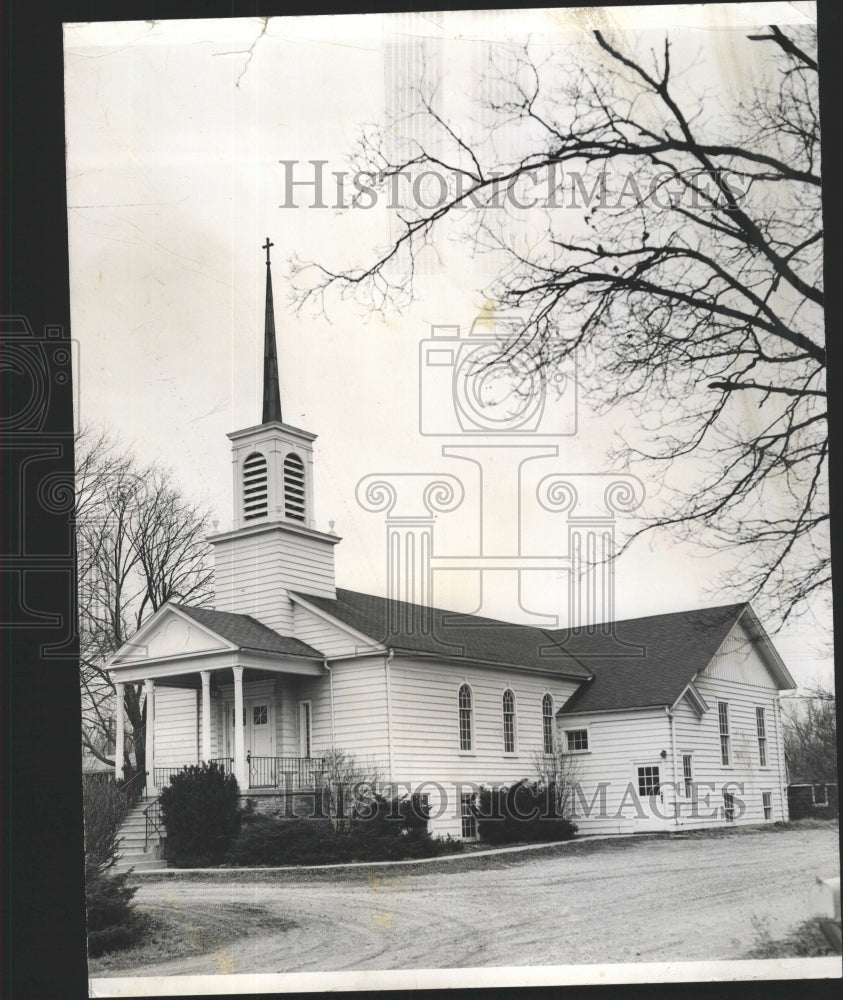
<point>135,792</point>
<point>152,817</point>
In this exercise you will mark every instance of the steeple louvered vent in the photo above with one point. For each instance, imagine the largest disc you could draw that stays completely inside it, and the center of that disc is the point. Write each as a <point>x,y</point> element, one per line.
<point>255,500</point>
<point>294,499</point>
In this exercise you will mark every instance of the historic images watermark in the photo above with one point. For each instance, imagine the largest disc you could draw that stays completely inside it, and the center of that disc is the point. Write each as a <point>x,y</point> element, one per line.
<point>313,184</point>
<point>500,411</point>
<point>369,799</point>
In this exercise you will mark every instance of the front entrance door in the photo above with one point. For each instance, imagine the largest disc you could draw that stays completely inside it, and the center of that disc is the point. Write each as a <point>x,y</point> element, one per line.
<point>259,736</point>
<point>653,808</point>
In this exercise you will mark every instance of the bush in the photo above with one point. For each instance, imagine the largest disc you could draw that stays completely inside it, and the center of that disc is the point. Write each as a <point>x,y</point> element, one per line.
<point>526,812</point>
<point>387,830</point>
<point>111,919</point>
<point>201,812</point>
<point>104,808</point>
<point>112,923</point>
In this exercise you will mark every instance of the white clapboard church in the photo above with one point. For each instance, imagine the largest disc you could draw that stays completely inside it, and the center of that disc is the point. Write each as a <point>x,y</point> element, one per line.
<point>671,720</point>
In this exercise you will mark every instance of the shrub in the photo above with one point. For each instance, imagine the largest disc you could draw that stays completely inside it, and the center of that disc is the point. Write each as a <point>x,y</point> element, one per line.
<point>384,830</point>
<point>201,812</point>
<point>111,918</point>
<point>104,808</point>
<point>526,811</point>
<point>112,923</point>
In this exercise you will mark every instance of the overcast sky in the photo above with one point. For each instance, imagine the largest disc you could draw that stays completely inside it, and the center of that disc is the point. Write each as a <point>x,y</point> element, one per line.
<point>175,130</point>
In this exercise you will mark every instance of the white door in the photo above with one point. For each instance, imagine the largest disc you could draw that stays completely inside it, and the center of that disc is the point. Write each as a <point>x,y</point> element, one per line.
<point>258,716</point>
<point>654,809</point>
<point>259,728</point>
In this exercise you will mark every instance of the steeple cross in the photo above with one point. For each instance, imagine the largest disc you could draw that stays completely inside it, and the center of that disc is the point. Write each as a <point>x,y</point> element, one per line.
<point>266,247</point>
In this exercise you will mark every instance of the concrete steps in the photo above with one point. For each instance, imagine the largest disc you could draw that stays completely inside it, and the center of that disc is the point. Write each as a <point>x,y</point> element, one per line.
<point>135,852</point>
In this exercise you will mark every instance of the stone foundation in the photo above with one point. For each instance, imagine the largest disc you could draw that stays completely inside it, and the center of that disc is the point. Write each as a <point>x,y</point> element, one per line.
<point>288,805</point>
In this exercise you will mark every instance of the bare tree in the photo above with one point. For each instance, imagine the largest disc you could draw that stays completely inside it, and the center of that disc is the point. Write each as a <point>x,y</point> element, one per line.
<point>810,735</point>
<point>671,238</point>
<point>347,784</point>
<point>559,771</point>
<point>140,543</point>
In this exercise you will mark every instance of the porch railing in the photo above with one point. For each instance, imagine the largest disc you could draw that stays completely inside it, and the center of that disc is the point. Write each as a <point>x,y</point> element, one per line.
<point>285,773</point>
<point>163,775</point>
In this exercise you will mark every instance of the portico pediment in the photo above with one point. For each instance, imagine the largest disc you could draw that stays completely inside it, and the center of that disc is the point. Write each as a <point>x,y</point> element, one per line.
<point>170,634</point>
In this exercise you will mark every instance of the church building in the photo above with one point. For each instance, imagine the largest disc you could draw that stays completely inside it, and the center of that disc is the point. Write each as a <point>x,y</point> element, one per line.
<point>668,721</point>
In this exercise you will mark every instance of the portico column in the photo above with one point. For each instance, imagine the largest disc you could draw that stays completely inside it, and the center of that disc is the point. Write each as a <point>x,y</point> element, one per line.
<point>239,734</point>
<point>119,739</point>
<point>149,691</point>
<point>206,715</point>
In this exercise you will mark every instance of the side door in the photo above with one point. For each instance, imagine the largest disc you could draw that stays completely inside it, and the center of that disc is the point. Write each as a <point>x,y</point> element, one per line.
<point>654,810</point>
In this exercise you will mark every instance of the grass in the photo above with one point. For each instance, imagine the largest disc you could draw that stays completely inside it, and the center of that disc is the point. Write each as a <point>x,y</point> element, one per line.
<point>166,931</point>
<point>806,940</point>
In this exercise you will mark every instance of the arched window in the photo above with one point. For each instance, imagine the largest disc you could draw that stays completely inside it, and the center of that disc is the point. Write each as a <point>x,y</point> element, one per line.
<point>465,717</point>
<point>294,487</point>
<point>254,487</point>
<point>508,722</point>
<point>547,723</point>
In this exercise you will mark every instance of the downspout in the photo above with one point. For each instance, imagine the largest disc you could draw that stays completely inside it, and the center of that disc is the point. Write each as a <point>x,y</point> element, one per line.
<point>333,719</point>
<point>782,762</point>
<point>386,663</point>
<point>673,758</point>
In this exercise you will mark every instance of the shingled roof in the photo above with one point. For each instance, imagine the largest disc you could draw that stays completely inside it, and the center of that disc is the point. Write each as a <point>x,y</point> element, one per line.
<point>644,662</point>
<point>411,627</point>
<point>248,633</point>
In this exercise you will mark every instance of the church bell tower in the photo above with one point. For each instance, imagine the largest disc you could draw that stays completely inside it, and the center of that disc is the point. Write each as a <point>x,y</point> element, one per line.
<point>273,546</point>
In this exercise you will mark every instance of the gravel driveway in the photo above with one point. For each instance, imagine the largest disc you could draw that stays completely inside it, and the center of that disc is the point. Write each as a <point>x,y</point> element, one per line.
<point>629,900</point>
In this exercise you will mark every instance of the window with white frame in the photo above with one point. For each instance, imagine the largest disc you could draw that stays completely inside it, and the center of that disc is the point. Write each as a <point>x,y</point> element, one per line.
<point>508,705</point>
<point>465,717</point>
<point>767,804</point>
<point>649,780</point>
<point>820,795</point>
<point>547,723</point>
<point>468,815</point>
<point>688,774</point>
<point>729,806</point>
<point>576,740</point>
<point>305,728</point>
<point>723,718</point>
<point>761,728</point>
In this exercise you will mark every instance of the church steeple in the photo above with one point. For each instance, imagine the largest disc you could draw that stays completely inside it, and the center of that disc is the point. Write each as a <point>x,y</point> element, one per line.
<point>273,546</point>
<point>271,388</point>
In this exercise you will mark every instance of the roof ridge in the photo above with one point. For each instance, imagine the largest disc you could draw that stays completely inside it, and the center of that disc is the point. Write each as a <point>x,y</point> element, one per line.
<point>549,632</point>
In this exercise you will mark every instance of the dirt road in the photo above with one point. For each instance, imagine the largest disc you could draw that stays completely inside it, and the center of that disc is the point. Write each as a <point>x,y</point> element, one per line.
<point>635,900</point>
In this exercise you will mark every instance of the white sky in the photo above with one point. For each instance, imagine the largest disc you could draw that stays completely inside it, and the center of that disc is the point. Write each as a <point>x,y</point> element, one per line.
<point>175,130</point>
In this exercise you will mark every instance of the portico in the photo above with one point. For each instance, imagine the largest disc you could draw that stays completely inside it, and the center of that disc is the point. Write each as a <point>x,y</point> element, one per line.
<point>231,689</point>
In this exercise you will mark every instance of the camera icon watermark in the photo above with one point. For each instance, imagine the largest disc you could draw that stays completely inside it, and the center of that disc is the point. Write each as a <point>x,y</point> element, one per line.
<point>36,365</point>
<point>485,382</point>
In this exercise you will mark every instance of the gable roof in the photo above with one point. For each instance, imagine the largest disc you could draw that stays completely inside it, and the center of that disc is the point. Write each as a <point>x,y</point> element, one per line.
<point>435,631</point>
<point>248,633</point>
<point>646,662</point>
